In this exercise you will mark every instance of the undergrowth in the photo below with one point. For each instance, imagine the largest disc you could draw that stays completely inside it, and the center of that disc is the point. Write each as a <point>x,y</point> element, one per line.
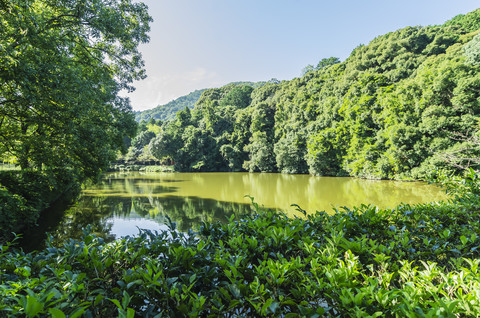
<point>412,261</point>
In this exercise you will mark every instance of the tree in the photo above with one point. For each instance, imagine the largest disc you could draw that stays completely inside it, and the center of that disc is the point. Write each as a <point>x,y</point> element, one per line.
<point>143,139</point>
<point>239,96</point>
<point>321,64</point>
<point>62,65</point>
<point>327,62</point>
<point>260,147</point>
<point>184,117</point>
<point>307,69</point>
<point>472,51</point>
<point>465,154</point>
<point>323,153</point>
<point>164,145</point>
<point>261,154</point>
<point>289,152</point>
<point>233,156</point>
<point>198,151</point>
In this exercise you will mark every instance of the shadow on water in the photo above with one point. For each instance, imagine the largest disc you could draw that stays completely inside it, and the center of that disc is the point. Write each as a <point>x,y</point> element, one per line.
<point>34,237</point>
<point>107,216</point>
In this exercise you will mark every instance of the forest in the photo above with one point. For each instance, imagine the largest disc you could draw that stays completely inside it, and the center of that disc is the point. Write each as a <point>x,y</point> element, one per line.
<point>168,111</point>
<point>404,107</point>
<point>401,107</point>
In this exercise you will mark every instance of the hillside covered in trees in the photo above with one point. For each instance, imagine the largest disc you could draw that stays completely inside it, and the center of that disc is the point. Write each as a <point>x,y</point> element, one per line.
<point>168,111</point>
<point>401,107</point>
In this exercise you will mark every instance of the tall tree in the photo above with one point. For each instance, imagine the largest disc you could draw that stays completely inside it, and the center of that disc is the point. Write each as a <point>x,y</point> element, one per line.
<point>62,65</point>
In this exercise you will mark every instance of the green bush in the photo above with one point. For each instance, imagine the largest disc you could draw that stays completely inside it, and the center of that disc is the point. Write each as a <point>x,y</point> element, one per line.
<point>412,261</point>
<point>418,260</point>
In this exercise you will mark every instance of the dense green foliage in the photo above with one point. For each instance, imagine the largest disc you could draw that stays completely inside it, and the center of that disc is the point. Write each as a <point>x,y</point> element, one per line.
<point>168,111</point>
<point>415,261</point>
<point>323,63</point>
<point>152,120</point>
<point>401,107</point>
<point>62,65</point>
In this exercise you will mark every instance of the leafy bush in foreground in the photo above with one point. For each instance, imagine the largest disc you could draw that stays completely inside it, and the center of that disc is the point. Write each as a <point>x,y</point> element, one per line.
<point>416,261</point>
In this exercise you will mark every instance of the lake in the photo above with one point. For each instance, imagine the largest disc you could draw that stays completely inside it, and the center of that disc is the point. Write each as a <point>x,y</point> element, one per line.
<point>125,201</point>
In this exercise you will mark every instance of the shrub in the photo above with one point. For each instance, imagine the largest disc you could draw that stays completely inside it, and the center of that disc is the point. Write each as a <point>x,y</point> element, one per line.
<point>420,260</point>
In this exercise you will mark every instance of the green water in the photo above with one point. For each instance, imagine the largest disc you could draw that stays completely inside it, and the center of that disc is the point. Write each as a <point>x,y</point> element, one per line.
<point>123,202</point>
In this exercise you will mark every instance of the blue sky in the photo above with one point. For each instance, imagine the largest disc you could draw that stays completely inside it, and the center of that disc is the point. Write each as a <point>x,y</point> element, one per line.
<point>198,44</point>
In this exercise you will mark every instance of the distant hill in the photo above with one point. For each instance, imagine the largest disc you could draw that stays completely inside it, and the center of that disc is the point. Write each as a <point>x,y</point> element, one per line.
<point>168,111</point>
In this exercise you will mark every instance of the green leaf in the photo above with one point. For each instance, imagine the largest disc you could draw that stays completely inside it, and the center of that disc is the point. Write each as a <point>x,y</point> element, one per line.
<point>116,302</point>
<point>125,299</point>
<point>33,306</point>
<point>274,306</point>
<point>98,299</point>
<point>235,291</point>
<point>56,313</point>
<point>136,282</point>
<point>78,312</point>
<point>130,313</point>
<point>266,306</point>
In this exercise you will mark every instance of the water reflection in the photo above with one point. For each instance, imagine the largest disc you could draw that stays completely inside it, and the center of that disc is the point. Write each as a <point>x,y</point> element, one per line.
<point>114,216</point>
<point>123,202</point>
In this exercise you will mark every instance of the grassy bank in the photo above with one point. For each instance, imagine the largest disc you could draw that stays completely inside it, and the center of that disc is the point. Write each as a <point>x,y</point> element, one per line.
<point>416,261</point>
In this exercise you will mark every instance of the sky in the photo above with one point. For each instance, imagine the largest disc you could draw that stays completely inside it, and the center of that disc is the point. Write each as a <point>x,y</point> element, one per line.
<point>197,44</point>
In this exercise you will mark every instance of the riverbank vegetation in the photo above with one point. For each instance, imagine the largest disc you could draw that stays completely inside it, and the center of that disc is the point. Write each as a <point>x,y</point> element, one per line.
<point>145,168</point>
<point>401,107</point>
<point>62,65</point>
<point>420,260</point>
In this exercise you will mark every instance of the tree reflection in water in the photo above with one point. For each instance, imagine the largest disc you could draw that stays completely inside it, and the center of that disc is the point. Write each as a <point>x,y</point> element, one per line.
<point>100,213</point>
<point>121,202</point>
